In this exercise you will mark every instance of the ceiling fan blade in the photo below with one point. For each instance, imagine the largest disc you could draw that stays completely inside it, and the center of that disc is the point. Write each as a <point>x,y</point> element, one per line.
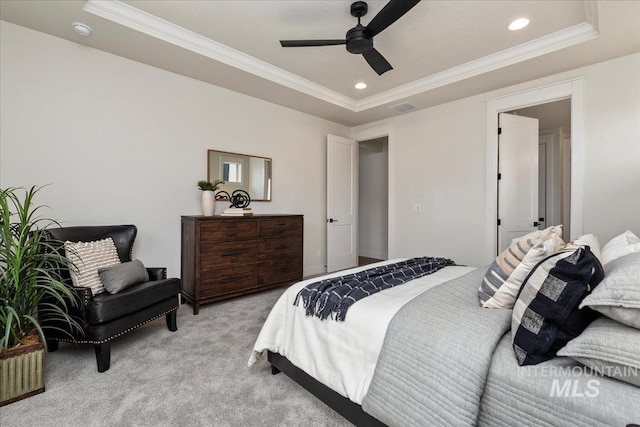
<point>388,15</point>
<point>306,43</point>
<point>377,61</point>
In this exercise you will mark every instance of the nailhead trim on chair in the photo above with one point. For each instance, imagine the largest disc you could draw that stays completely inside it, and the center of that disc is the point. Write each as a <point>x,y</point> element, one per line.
<point>86,292</point>
<point>135,234</point>
<point>119,334</point>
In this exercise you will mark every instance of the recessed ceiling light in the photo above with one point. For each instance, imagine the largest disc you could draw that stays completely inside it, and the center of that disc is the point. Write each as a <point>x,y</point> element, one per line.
<point>518,24</point>
<point>361,85</point>
<point>82,29</point>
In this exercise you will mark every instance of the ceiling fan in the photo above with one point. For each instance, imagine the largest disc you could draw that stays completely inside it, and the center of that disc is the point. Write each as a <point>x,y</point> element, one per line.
<point>359,39</point>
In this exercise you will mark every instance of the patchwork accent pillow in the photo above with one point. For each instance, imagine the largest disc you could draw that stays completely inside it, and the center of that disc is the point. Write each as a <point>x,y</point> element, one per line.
<point>618,296</point>
<point>546,314</point>
<point>587,240</point>
<point>619,246</point>
<point>505,264</point>
<point>122,276</point>
<point>608,347</point>
<point>88,257</point>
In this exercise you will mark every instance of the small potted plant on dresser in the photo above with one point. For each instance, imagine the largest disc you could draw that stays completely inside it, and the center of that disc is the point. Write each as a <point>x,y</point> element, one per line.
<point>208,197</point>
<point>28,278</point>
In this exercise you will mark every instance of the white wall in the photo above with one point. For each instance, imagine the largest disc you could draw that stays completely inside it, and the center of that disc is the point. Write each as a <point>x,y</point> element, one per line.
<point>439,160</point>
<point>122,142</point>
<point>373,199</point>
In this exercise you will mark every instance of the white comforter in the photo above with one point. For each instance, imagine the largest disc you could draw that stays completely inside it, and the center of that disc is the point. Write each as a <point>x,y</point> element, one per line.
<point>341,355</point>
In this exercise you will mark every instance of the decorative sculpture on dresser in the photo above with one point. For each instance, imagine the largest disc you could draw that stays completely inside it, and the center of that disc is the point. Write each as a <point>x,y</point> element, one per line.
<point>238,199</point>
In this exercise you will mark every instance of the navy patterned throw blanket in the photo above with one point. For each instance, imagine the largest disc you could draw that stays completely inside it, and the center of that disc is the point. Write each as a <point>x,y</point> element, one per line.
<point>333,297</point>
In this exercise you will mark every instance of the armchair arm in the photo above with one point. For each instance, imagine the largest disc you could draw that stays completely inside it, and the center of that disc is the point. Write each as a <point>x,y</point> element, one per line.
<point>50,320</point>
<point>157,273</point>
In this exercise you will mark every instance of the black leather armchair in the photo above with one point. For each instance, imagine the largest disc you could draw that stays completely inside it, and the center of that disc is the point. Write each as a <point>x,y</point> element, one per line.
<point>105,316</point>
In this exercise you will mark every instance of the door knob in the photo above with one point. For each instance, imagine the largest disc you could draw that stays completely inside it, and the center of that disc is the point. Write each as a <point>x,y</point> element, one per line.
<point>535,223</point>
<point>332,220</point>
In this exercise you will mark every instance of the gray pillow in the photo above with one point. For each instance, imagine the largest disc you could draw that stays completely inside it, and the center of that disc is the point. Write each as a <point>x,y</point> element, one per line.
<point>122,276</point>
<point>608,347</point>
<point>618,295</point>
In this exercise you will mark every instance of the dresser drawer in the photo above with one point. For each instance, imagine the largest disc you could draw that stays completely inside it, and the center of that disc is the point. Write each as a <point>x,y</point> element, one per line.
<point>228,280</point>
<point>281,227</point>
<point>279,247</point>
<point>225,230</point>
<point>281,270</point>
<point>215,255</point>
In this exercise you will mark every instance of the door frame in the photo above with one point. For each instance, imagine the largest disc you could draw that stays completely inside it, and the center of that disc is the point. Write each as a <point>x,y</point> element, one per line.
<point>573,89</point>
<point>372,132</point>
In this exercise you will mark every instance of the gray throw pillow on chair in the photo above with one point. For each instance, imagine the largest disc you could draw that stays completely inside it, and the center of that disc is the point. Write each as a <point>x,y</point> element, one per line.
<point>122,276</point>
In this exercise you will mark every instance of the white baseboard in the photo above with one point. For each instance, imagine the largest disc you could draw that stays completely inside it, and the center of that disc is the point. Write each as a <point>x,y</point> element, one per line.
<point>314,270</point>
<point>373,254</point>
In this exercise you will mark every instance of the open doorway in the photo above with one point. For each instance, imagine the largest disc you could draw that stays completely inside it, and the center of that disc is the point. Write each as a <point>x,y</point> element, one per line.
<point>373,200</point>
<point>574,90</point>
<point>554,162</point>
<point>532,163</point>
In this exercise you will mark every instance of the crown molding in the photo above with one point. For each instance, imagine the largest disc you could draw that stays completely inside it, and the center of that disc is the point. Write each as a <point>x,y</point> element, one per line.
<point>591,13</point>
<point>161,29</point>
<point>154,26</point>
<point>550,43</point>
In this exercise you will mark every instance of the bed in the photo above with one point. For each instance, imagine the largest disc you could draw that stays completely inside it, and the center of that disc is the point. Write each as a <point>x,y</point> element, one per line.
<point>425,353</point>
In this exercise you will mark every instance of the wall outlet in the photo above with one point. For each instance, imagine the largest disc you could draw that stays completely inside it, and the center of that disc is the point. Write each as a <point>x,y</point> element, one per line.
<point>417,208</point>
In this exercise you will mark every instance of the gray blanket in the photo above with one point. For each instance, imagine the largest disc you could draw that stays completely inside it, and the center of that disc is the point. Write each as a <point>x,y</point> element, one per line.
<point>525,394</point>
<point>435,358</point>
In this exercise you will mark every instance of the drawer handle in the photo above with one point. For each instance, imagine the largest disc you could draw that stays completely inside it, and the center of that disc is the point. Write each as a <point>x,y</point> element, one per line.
<point>232,254</point>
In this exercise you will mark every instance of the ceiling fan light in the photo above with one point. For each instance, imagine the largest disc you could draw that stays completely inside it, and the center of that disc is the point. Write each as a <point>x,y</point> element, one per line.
<point>361,85</point>
<point>82,29</point>
<point>518,24</point>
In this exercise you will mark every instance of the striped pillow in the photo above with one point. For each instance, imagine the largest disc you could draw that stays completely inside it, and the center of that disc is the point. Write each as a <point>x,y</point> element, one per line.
<point>88,258</point>
<point>506,295</point>
<point>506,263</point>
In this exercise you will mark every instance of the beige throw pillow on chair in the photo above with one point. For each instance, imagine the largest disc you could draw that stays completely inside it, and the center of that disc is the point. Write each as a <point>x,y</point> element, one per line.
<point>88,258</point>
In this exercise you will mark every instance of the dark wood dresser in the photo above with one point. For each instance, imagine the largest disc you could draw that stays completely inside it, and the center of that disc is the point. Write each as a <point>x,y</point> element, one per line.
<point>224,257</point>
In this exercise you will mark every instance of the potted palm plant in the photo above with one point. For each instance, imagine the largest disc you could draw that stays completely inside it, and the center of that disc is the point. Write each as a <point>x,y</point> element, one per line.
<point>208,196</point>
<point>29,281</point>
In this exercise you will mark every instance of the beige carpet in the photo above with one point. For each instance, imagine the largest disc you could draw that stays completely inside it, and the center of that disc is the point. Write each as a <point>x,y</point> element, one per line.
<point>197,376</point>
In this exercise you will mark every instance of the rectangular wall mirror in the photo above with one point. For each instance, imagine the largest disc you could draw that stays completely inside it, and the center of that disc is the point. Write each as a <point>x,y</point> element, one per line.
<point>241,172</point>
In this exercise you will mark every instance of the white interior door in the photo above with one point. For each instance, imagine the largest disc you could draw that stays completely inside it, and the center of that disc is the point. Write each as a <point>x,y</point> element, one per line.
<point>518,183</point>
<point>342,203</point>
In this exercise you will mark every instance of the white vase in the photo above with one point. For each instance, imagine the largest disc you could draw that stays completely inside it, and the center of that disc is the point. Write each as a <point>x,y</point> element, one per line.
<point>208,203</point>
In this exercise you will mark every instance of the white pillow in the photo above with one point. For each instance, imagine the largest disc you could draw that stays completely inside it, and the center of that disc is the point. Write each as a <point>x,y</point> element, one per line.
<point>587,240</point>
<point>88,258</point>
<point>621,245</point>
<point>505,296</point>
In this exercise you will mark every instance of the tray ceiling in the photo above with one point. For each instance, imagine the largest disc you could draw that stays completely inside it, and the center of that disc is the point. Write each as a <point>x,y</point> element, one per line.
<point>440,50</point>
